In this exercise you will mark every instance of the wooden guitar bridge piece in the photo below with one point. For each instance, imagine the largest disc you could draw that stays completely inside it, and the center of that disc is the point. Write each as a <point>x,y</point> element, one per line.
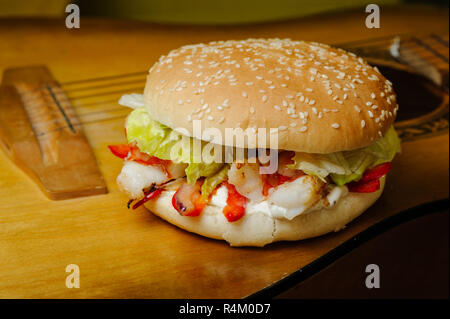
<point>41,133</point>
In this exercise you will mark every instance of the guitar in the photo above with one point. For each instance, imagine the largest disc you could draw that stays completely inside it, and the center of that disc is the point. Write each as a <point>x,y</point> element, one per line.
<point>133,254</point>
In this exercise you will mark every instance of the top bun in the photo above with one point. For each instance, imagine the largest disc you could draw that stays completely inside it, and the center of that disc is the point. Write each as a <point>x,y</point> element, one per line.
<point>320,98</point>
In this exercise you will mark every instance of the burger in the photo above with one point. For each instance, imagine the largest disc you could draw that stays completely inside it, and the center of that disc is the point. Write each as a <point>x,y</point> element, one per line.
<point>328,117</point>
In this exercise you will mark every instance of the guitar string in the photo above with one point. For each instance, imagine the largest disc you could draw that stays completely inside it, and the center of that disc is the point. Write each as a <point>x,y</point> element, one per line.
<point>382,48</point>
<point>103,78</point>
<point>372,46</point>
<point>85,115</point>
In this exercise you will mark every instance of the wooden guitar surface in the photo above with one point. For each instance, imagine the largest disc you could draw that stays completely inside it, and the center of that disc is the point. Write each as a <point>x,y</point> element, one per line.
<point>133,254</point>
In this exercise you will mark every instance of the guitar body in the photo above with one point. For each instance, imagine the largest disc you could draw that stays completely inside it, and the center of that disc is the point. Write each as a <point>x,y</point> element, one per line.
<point>133,254</point>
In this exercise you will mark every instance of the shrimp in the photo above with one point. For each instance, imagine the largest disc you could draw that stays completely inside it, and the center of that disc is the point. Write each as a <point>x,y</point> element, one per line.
<point>247,180</point>
<point>298,195</point>
<point>135,177</point>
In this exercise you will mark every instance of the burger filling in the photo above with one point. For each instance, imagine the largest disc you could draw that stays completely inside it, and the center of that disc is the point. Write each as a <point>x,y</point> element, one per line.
<point>303,182</point>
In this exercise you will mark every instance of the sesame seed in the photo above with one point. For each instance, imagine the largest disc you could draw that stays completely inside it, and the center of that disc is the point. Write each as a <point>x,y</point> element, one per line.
<point>374,107</point>
<point>370,114</point>
<point>373,95</point>
<point>335,125</point>
<point>357,108</point>
<point>252,109</point>
<point>276,107</point>
<point>363,123</point>
<point>221,119</point>
<point>303,129</point>
<point>264,98</point>
<point>282,128</point>
<point>210,118</point>
<point>244,94</point>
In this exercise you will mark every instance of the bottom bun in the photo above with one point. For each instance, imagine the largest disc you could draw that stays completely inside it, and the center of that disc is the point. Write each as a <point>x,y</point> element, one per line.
<point>260,229</point>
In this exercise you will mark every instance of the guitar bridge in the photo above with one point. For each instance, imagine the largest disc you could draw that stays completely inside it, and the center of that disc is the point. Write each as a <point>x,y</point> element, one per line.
<point>41,133</point>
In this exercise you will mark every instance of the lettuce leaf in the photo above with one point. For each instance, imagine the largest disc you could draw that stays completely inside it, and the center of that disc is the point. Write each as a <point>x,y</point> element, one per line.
<point>196,170</point>
<point>211,182</point>
<point>161,141</point>
<point>151,136</point>
<point>320,165</point>
<point>348,166</point>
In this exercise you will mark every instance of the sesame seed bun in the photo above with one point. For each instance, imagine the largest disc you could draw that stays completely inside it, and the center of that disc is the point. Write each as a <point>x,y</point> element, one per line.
<point>321,99</point>
<point>259,229</point>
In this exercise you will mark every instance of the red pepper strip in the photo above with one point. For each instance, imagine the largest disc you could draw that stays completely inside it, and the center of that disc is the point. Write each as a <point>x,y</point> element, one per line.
<point>131,152</point>
<point>376,172</point>
<point>147,197</point>
<point>367,187</point>
<point>370,182</point>
<point>236,203</point>
<point>120,150</point>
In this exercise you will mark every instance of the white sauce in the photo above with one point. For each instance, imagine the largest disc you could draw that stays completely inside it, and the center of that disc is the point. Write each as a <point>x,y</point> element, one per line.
<point>287,201</point>
<point>280,210</point>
